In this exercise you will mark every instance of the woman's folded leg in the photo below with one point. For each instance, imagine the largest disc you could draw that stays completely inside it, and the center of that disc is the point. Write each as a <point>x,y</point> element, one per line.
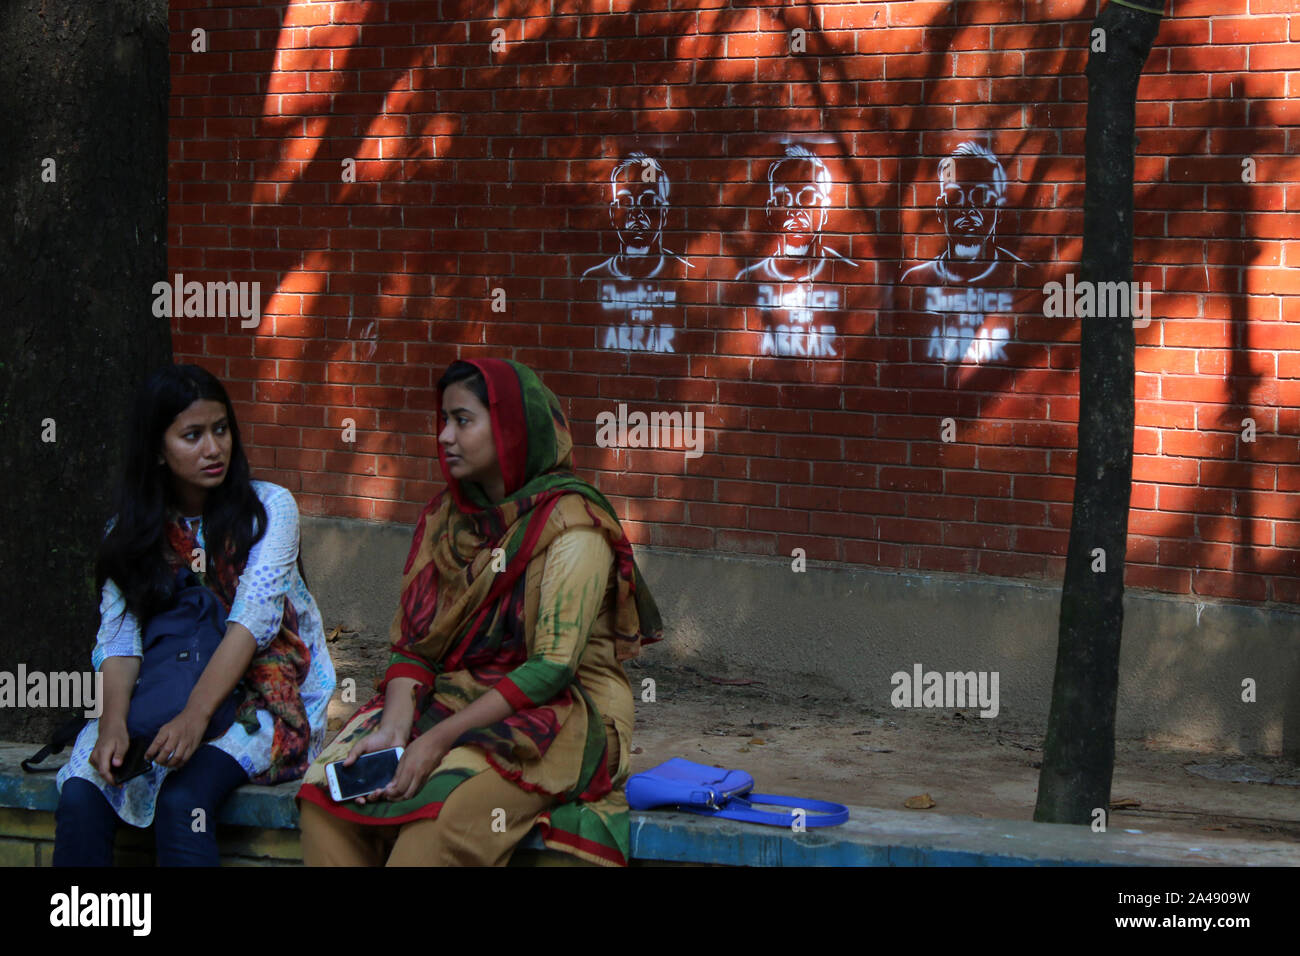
<point>84,826</point>
<point>480,824</point>
<point>328,840</point>
<point>183,836</point>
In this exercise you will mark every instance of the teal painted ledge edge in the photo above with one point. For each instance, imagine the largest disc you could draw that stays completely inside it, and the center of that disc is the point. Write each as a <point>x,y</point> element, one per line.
<point>266,808</point>
<point>871,837</point>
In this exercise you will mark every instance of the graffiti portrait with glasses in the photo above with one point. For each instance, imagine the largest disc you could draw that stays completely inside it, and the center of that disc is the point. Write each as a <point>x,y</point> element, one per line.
<point>971,286</point>
<point>799,286</point>
<point>637,286</point>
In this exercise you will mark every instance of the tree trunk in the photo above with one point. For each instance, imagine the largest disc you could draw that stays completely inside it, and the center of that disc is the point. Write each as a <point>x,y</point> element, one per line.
<point>1079,752</point>
<point>84,84</point>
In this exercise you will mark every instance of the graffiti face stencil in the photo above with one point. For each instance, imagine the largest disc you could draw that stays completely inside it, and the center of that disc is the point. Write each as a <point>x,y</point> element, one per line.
<point>798,199</point>
<point>968,208</point>
<point>970,284</point>
<point>796,207</point>
<point>637,214</point>
<point>972,191</point>
<point>638,284</point>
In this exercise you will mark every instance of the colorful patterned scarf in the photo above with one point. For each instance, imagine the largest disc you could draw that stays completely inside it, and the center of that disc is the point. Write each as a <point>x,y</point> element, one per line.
<point>446,597</point>
<point>276,672</point>
<point>467,624</point>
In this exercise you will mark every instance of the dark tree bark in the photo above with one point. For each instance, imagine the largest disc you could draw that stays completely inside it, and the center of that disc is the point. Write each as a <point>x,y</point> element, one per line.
<point>84,84</point>
<point>1079,752</point>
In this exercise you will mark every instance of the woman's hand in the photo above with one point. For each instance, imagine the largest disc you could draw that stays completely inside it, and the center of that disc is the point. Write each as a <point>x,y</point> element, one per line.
<point>110,748</point>
<point>179,738</point>
<point>419,761</point>
<point>383,738</point>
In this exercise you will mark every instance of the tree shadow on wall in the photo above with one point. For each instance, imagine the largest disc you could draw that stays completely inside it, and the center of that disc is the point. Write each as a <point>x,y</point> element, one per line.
<point>481,155</point>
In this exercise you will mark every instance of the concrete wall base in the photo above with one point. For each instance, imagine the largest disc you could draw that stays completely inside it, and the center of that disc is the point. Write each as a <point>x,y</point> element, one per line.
<point>837,630</point>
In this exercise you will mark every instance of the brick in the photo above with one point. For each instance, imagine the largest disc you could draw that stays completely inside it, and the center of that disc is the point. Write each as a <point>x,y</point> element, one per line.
<point>26,824</point>
<point>251,844</point>
<point>17,852</point>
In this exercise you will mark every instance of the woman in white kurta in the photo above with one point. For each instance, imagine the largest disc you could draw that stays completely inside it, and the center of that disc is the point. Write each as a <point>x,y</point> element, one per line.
<point>274,645</point>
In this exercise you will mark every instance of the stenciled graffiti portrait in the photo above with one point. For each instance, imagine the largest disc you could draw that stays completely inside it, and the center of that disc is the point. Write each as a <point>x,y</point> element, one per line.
<point>971,285</point>
<point>799,286</point>
<point>638,285</point>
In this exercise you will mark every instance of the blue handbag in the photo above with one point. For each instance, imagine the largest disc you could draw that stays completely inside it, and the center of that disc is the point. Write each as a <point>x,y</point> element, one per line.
<point>680,784</point>
<point>176,645</point>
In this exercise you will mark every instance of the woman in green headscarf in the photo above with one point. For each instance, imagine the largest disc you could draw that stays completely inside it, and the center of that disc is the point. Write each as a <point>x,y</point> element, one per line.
<point>520,599</point>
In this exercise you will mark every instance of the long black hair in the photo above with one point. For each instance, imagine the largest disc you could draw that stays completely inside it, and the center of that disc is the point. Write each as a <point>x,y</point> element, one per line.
<point>134,552</point>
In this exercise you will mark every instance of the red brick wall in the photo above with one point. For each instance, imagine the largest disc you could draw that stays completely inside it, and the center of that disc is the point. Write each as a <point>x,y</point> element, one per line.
<point>481,169</point>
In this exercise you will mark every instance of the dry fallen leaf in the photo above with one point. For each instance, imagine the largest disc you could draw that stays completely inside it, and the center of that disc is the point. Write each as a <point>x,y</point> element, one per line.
<point>923,802</point>
<point>757,740</point>
<point>339,631</point>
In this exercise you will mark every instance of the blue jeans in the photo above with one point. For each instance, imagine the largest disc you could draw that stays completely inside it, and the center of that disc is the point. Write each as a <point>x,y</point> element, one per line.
<point>85,824</point>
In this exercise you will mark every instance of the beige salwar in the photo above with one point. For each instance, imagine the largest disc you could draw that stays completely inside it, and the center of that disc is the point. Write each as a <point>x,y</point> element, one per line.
<point>480,824</point>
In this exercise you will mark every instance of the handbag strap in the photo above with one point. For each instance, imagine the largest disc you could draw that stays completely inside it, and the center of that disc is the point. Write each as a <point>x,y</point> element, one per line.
<point>64,735</point>
<point>820,813</point>
<point>29,765</point>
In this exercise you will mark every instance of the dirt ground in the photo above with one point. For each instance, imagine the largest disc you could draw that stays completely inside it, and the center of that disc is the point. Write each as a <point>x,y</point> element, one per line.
<point>834,749</point>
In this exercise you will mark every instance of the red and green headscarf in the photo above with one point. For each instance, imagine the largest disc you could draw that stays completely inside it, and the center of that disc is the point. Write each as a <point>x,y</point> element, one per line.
<point>447,596</point>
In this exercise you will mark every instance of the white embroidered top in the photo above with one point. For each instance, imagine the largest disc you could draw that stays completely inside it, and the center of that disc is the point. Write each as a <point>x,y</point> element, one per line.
<point>270,577</point>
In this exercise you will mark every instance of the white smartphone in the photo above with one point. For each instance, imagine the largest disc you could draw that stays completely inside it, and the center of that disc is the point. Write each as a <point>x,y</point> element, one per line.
<point>370,772</point>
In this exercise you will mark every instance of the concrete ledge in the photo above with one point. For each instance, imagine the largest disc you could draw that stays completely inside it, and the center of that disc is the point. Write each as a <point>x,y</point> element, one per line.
<point>262,808</point>
<point>918,838</point>
<point>259,827</point>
